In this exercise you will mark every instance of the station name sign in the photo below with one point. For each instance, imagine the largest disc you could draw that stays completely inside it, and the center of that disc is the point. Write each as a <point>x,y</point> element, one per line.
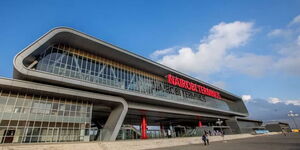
<point>192,86</point>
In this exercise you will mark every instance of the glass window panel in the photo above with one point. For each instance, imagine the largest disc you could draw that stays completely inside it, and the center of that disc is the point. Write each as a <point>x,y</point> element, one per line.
<point>76,125</point>
<point>72,113</point>
<point>58,124</point>
<point>27,110</point>
<point>8,108</point>
<point>52,56</point>
<point>62,107</point>
<point>3,100</point>
<point>67,113</point>
<point>11,101</point>
<point>69,60</point>
<point>27,103</point>
<point>73,107</point>
<point>55,106</point>
<point>78,114</point>
<point>37,124</point>
<point>83,109</point>
<point>63,59</point>
<point>83,114</point>
<point>36,106</point>
<point>20,102</point>
<point>54,111</point>
<point>89,65</point>
<point>22,123</point>
<point>83,67</point>
<point>93,67</point>
<point>68,107</point>
<point>88,115</point>
<point>52,124</point>
<point>73,66</point>
<point>78,108</point>
<point>18,109</point>
<point>88,108</point>
<point>60,113</point>
<point>4,123</point>
<point>13,123</point>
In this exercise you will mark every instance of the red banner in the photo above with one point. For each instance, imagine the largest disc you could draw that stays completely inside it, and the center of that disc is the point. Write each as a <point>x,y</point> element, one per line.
<point>192,86</point>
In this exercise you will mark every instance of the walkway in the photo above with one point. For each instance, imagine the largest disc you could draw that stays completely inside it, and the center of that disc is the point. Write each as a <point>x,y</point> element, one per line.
<point>271,142</point>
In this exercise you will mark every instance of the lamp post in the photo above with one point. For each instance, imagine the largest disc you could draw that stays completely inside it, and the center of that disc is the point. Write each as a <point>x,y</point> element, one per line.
<point>293,115</point>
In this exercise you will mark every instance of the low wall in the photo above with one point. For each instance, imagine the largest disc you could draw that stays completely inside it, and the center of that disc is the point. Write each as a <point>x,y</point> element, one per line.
<point>124,145</point>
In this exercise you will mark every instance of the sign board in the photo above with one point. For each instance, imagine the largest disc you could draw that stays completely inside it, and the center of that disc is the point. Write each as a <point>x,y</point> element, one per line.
<point>192,86</point>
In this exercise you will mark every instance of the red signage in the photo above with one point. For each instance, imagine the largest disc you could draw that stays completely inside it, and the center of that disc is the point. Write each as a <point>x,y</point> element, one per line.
<point>192,86</point>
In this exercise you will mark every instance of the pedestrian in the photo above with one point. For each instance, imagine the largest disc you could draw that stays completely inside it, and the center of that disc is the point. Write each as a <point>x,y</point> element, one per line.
<point>283,132</point>
<point>205,139</point>
<point>169,133</point>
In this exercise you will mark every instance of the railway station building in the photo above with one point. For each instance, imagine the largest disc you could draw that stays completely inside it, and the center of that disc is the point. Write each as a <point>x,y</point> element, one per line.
<point>69,86</point>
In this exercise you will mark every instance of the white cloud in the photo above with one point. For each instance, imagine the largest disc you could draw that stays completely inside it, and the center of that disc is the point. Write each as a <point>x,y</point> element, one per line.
<point>296,20</point>
<point>289,64</point>
<point>159,53</point>
<point>209,56</point>
<point>246,98</point>
<point>298,40</point>
<point>214,53</point>
<point>289,50</point>
<point>274,100</point>
<point>294,102</point>
<point>275,32</point>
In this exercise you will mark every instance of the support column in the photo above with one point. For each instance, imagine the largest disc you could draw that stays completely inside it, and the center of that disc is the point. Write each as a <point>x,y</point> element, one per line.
<point>234,126</point>
<point>114,123</point>
<point>144,128</point>
<point>199,123</point>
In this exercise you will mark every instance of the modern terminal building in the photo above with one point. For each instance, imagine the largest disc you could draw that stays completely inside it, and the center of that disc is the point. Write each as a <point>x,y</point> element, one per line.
<point>69,86</point>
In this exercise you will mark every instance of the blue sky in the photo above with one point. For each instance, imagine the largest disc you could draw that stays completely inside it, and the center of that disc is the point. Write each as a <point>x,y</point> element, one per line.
<point>249,48</point>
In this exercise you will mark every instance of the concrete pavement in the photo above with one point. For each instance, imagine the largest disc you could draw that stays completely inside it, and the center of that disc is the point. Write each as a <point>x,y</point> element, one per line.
<point>177,143</point>
<point>270,142</point>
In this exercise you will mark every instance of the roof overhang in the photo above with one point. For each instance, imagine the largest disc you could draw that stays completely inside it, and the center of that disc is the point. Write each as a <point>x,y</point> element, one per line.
<point>99,47</point>
<point>90,44</point>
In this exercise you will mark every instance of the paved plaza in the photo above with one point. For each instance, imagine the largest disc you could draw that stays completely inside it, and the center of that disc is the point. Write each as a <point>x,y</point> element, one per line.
<point>271,142</point>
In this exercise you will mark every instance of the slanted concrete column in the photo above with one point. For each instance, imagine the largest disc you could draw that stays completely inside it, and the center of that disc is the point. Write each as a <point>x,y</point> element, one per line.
<point>114,123</point>
<point>234,126</point>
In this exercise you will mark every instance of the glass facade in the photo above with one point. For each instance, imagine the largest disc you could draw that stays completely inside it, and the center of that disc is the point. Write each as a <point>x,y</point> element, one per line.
<point>27,118</point>
<point>71,63</point>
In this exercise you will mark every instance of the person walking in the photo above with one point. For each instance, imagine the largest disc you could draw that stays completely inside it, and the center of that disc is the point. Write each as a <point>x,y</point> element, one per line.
<point>205,139</point>
<point>283,132</point>
<point>169,133</point>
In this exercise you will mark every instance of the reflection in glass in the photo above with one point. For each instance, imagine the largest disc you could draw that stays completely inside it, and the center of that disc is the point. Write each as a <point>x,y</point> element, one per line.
<point>108,73</point>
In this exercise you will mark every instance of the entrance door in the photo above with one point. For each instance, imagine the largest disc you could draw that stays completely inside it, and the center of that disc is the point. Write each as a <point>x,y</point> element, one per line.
<point>8,136</point>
